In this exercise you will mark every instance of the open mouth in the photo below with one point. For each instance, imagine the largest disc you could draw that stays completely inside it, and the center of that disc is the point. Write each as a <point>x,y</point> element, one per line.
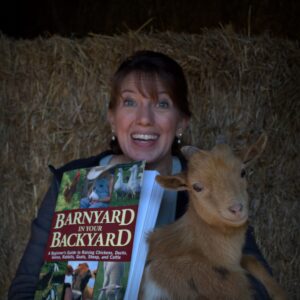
<point>143,137</point>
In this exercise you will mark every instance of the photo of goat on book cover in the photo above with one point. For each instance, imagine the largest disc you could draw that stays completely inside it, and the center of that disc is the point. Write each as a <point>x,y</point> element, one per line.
<point>89,248</point>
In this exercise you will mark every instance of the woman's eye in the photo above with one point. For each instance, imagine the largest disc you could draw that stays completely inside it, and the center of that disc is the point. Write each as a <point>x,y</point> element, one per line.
<point>163,104</point>
<point>128,102</point>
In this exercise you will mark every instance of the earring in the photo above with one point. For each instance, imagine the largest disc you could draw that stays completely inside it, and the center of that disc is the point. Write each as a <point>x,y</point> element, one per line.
<point>113,136</point>
<point>179,137</point>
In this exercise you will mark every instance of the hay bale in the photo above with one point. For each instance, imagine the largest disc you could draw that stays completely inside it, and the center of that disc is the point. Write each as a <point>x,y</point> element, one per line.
<point>54,95</point>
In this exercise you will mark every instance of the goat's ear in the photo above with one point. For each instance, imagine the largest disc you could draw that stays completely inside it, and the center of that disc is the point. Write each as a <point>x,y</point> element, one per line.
<point>255,150</point>
<point>174,182</point>
<point>188,151</point>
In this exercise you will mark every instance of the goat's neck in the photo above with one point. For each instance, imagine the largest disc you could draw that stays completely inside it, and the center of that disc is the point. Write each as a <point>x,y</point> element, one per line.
<point>224,244</point>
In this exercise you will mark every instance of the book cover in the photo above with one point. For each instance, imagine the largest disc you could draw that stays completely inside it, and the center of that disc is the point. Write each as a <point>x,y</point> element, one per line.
<point>94,247</point>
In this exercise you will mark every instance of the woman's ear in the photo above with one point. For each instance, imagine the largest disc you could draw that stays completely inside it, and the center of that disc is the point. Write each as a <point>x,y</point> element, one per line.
<point>111,119</point>
<point>183,123</point>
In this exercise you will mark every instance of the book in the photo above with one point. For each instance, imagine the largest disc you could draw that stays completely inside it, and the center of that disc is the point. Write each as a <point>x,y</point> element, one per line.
<point>97,243</point>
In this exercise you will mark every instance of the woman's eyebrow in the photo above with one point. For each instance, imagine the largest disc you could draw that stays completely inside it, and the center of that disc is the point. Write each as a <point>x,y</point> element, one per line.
<point>162,93</point>
<point>127,91</point>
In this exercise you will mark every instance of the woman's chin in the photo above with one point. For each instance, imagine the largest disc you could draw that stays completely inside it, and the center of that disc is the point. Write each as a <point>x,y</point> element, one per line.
<point>152,153</point>
<point>143,152</point>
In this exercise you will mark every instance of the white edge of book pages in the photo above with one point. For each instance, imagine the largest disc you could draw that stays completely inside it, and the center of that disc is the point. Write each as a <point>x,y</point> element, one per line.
<point>149,204</point>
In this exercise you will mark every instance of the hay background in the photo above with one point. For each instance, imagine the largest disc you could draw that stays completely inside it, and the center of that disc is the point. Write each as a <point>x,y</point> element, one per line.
<point>54,94</point>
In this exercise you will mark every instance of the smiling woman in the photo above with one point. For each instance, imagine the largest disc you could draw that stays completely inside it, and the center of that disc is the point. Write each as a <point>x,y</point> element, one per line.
<point>148,109</point>
<point>146,126</point>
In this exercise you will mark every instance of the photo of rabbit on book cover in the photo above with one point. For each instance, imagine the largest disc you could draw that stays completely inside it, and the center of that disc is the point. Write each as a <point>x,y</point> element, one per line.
<point>89,250</point>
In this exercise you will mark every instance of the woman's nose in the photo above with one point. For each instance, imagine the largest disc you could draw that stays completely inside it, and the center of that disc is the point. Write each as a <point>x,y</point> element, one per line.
<point>145,115</point>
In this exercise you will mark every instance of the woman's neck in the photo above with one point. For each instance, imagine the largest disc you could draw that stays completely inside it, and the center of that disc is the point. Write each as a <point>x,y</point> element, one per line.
<point>164,167</point>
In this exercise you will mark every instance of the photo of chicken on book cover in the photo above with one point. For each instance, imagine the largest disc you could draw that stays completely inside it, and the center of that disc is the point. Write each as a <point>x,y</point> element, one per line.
<point>90,246</point>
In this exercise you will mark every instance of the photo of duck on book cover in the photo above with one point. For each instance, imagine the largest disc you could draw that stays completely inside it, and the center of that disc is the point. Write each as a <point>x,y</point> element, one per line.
<point>89,248</point>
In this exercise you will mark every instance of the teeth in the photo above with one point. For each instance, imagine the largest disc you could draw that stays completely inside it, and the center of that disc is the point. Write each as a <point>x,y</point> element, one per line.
<point>146,137</point>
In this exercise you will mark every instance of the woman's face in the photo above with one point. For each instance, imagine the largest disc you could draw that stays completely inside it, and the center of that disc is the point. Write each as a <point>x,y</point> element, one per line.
<point>145,127</point>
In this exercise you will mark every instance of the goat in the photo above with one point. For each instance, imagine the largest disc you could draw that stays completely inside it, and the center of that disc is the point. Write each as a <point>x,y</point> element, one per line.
<point>200,255</point>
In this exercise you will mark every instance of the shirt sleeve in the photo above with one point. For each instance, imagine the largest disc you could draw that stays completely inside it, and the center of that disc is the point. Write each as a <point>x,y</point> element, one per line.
<point>24,284</point>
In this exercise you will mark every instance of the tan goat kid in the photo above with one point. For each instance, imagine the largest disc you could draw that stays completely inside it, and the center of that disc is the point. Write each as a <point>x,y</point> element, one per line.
<point>200,255</point>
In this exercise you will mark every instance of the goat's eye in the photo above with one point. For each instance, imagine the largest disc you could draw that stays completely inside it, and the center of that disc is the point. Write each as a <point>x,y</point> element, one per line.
<point>243,173</point>
<point>197,187</point>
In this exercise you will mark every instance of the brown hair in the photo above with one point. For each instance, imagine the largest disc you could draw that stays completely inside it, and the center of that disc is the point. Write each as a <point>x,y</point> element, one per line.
<point>155,66</point>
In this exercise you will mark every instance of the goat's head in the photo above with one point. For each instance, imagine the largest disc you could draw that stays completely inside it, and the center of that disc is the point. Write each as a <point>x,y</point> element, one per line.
<point>216,182</point>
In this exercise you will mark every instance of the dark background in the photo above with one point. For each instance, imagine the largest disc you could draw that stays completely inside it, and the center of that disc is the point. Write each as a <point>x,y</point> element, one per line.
<point>30,18</point>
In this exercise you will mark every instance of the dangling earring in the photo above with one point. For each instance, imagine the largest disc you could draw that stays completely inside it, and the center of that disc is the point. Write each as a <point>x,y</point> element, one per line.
<point>113,136</point>
<point>179,137</point>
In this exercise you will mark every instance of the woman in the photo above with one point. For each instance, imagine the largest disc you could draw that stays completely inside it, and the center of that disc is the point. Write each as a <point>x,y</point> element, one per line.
<point>148,114</point>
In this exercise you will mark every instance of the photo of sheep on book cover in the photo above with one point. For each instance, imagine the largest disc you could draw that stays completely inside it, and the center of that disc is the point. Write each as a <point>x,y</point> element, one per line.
<point>89,250</point>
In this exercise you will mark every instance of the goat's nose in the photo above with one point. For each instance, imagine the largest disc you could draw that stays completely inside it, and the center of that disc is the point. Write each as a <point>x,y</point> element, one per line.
<point>236,208</point>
